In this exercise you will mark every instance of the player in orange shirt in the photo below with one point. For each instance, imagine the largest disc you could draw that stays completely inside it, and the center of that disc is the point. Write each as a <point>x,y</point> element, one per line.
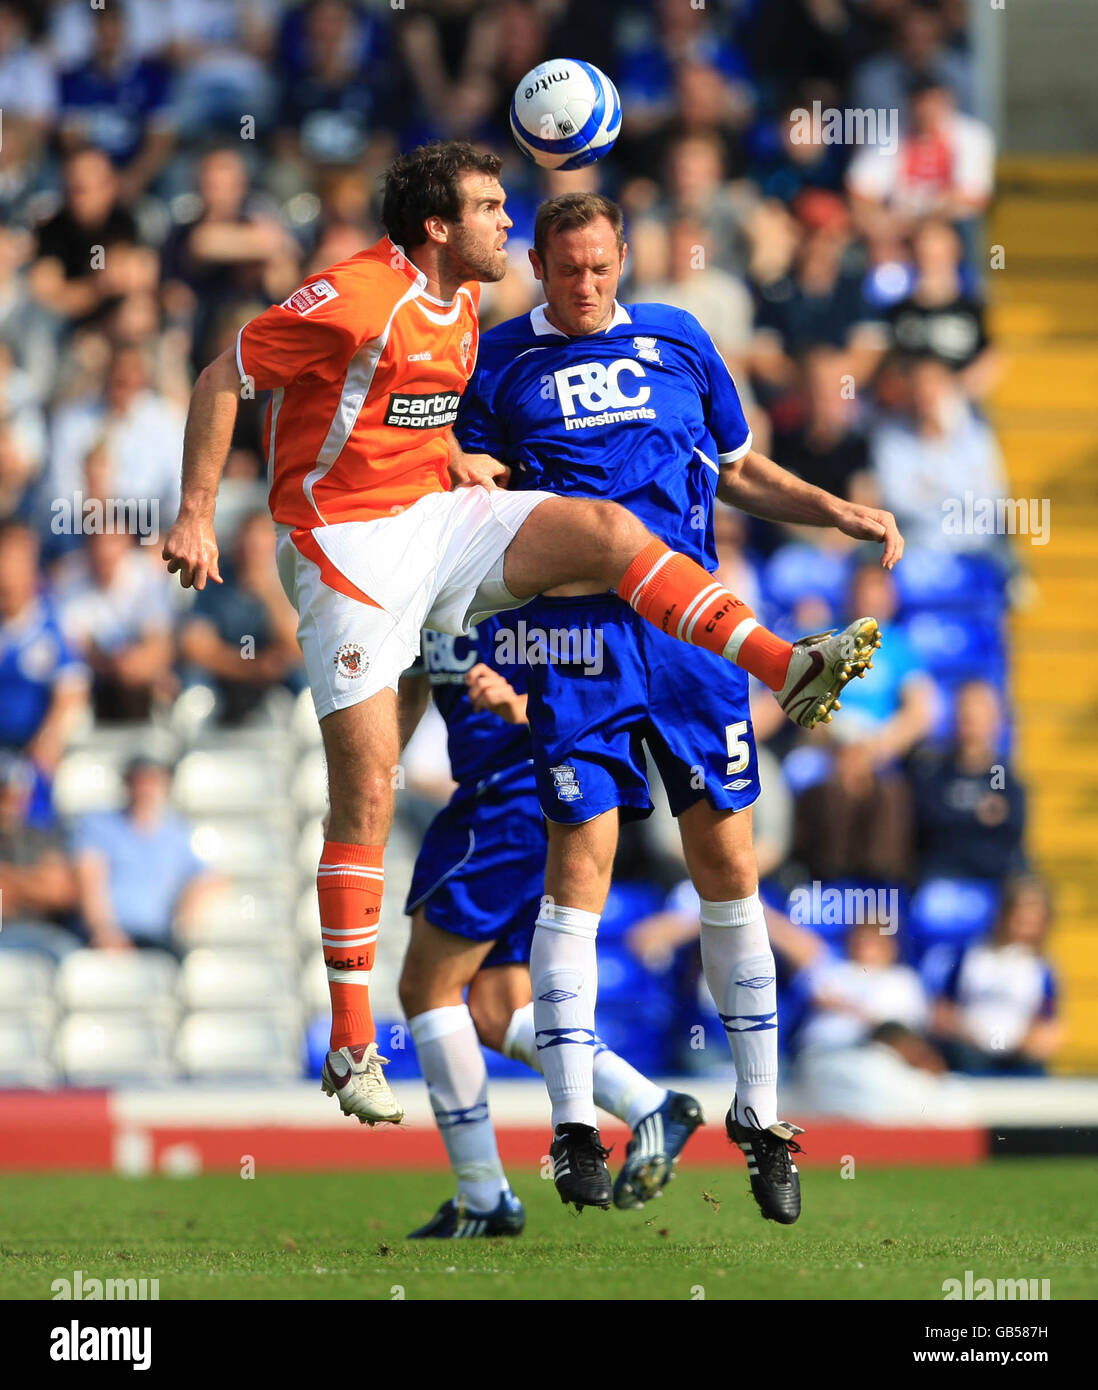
<point>385,527</point>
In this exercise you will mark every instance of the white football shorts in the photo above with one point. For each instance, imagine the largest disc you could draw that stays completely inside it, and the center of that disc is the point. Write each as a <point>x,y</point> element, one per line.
<point>364,589</point>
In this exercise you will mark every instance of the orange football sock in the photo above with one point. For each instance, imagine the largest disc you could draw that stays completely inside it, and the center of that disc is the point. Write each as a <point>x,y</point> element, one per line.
<point>679,597</point>
<point>349,884</point>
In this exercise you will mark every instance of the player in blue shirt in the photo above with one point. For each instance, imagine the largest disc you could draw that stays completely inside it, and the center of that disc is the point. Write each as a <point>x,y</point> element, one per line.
<point>585,397</point>
<point>474,899</point>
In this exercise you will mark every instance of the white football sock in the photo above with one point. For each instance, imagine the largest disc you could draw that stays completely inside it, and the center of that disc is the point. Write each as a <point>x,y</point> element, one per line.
<point>619,1088</point>
<point>564,977</point>
<point>457,1082</point>
<point>739,970</point>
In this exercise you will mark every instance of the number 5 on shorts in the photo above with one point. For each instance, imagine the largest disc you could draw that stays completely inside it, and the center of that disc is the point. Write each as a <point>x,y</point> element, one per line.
<point>739,751</point>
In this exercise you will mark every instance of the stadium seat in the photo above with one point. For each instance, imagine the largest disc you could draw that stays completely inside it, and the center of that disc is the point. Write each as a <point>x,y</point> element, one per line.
<point>307,920</point>
<point>243,919</point>
<point>623,978</point>
<point>957,645</point>
<point>304,725</point>
<point>310,784</point>
<point>242,848</point>
<point>314,984</point>
<point>953,911</point>
<point>627,903</point>
<point>229,782</point>
<point>104,1049</point>
<point>310,844</point>
<point>88,780</point>
<point>798,571</point>
<point>238,979</point>
<point>216,1044</point>
<point>937,580</point>
<point>26,985</point>
<point>139,982</point>
<point>25,1052</point>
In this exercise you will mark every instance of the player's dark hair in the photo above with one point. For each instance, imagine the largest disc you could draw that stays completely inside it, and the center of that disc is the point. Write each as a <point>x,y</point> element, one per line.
<point>424,183</point>
<point>571,210</point>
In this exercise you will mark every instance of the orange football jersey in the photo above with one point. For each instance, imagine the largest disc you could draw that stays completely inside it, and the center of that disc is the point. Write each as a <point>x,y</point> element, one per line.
<point>366,369</point>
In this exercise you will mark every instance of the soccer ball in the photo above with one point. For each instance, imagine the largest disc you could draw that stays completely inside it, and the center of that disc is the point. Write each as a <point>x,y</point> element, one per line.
<point>565,114</point>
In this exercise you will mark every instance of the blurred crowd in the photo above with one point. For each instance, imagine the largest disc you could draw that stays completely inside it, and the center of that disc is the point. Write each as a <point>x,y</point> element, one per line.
<point>171,167</point>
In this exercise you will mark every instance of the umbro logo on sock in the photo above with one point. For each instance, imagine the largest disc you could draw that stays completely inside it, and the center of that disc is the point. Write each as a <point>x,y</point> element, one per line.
<point>556,996</point>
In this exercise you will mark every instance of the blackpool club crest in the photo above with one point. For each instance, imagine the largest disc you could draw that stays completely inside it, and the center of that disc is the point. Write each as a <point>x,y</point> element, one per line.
<point>351,661</point>
<point>466,348</point>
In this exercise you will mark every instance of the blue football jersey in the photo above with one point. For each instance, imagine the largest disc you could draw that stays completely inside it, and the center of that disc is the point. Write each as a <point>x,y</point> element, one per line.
<point>480,743</point>
<point>643,413</point>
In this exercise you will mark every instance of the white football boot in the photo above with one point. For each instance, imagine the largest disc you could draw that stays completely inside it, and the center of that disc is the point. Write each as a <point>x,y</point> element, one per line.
<point>820,667</point>
<point>354,1076</point>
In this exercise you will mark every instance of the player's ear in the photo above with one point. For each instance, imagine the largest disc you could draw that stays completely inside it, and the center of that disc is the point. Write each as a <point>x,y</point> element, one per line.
<point>436,229</point>
<point>536,265</point>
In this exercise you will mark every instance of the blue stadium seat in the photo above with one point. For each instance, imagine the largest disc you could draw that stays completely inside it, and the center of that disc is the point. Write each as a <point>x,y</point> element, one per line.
<point>626,904</point>
<point>935,580</point>
<point>641,1036</point>
<point>816,909</point>
<point>797,571</point>
<point>956,646</point>
<point>951,911</point>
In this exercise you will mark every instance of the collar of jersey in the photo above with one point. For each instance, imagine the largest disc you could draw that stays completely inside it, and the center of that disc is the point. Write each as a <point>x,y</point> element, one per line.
<point>542,327</point>
<point>404,266</point>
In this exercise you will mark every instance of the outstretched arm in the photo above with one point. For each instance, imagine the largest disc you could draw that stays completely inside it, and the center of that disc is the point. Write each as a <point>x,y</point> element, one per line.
<point>191,547</point>
<point>762,487</point>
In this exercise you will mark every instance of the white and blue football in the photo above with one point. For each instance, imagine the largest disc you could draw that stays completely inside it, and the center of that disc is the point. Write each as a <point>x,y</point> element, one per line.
<point>565,114</point>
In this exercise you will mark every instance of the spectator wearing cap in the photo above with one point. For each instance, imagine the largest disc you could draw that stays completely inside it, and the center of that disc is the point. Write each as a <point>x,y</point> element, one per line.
<point>970,804</point>
<point>37,883</point>
<point>241,635</point>
<point>138,877</point>
<point>43,683</point>
<point>997,1014</point>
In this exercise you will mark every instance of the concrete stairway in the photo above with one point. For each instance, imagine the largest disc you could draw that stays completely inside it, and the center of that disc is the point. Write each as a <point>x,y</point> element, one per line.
<point>1045,408</point>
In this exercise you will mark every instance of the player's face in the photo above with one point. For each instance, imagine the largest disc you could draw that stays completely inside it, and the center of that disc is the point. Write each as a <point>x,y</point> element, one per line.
<point>475,244</point>
<point>580,275</point>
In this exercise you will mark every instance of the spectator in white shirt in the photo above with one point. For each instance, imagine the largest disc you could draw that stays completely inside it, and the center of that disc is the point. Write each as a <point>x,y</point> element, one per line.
<point>926,460</point>
<point>942,166</point>
<point>115,610</point>
<point>141,431</point>
<point>850,995</point>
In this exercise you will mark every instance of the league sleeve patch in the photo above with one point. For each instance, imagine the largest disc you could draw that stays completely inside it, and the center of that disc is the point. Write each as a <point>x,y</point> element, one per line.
<point>306,299</point>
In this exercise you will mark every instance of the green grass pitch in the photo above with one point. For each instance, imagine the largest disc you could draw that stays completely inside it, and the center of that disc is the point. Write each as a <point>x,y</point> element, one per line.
<point>885,1234</point>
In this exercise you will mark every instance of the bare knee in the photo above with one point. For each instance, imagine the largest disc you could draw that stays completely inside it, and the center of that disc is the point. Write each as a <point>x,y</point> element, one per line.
<point>726,878</point>
<point>421,989</point>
